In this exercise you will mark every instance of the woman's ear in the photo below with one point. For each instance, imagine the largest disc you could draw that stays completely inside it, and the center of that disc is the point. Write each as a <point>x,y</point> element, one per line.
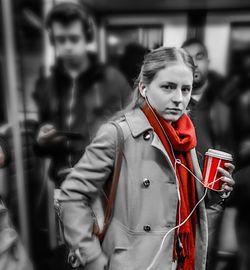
<point>142,89</point>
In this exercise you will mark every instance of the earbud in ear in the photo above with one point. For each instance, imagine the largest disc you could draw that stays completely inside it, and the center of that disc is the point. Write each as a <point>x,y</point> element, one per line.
<point>144,92</point>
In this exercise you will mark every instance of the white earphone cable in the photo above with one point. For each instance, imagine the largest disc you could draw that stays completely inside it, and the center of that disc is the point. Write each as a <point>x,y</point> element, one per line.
<point>177,161</point>
<point>179,225</point>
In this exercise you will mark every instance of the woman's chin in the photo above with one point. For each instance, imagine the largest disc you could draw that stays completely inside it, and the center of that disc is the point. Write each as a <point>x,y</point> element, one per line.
<point>172,117</point>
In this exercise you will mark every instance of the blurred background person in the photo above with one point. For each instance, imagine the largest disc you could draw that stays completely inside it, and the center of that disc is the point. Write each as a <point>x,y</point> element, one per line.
<point>207,116</point>
<point>237,95</point>
<point>73,101</point>
<point>79,94</point>
<point>207,112</point>
<point>131,61</point>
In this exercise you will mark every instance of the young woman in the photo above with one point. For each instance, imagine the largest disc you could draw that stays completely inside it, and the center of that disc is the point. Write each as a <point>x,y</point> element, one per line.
<point>161,212</point>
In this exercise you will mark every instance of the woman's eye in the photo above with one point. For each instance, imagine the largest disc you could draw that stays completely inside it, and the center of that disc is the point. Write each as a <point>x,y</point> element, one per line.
<point>186,89</point>
<point>168,87</point>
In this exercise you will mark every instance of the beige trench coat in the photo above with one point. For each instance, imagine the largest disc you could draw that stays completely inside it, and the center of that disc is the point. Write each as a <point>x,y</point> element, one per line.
<point>146,200</point>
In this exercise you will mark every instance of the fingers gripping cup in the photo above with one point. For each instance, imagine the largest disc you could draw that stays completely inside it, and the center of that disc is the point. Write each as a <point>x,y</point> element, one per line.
<point>213,160</point>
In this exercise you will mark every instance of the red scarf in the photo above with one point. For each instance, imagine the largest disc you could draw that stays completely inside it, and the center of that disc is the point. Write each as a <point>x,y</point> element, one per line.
<point>182,136</point>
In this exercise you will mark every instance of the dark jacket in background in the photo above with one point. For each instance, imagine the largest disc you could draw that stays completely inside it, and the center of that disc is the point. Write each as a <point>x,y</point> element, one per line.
<point>210,118</point>
<point>207,116</point>
<point>237,95</point>
<point>77,106</point>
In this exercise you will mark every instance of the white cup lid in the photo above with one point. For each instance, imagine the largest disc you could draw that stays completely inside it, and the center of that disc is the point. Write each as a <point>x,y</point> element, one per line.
<point>219,154</point>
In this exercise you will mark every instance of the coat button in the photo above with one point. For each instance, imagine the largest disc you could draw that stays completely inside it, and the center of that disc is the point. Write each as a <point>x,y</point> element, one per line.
<point>146,182</point>
<point>147,228</point>
<point>146,136</point>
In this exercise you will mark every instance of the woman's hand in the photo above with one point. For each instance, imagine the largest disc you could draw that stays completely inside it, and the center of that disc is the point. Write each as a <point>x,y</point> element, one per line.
<point>227,179</point>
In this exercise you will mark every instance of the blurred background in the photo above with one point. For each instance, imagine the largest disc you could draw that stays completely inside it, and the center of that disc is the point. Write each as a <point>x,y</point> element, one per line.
<point>124,30</point>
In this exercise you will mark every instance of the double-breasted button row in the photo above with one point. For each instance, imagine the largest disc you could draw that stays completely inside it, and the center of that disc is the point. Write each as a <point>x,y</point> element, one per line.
<point>146,135</point>
<point>146,182</point>
<point>170,224</point>
<point>147,228</point>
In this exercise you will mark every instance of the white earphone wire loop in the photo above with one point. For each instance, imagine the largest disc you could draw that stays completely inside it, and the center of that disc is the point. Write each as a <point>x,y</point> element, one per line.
<point>174,228</point>
<point>177,161</point>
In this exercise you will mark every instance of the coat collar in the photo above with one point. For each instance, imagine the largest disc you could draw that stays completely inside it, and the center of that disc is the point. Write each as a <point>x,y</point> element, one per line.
<point>137,122</point>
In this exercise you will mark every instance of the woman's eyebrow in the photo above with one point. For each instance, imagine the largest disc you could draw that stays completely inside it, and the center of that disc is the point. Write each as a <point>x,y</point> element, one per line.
<point>170,83</point>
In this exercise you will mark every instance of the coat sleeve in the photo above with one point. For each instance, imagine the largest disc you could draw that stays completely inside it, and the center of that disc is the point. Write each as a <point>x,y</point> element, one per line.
<point>83,185</point>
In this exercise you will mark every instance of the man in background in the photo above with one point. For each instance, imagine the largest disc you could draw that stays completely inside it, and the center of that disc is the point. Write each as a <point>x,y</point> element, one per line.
<point>73,101</point>
<point>80,93</point>
<point>207,109</point>
<point>237,96</point>
<point>210,115</point>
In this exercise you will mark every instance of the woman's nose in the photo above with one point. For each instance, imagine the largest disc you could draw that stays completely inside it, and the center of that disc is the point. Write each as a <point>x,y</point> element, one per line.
<point>178,97</point>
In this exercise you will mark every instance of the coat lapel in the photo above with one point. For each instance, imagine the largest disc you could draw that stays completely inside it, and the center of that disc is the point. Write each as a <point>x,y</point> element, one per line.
<point>138,124</point>
<point>156,142</point>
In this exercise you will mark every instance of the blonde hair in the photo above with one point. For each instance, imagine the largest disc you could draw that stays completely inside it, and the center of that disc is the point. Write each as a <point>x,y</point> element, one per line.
<point>155,61</point>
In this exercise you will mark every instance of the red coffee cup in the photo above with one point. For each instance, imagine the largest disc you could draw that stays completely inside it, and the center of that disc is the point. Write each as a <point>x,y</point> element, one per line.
<point>213,160</point>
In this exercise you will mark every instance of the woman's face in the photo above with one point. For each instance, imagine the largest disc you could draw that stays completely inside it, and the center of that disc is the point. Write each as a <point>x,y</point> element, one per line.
<point>170,91</point>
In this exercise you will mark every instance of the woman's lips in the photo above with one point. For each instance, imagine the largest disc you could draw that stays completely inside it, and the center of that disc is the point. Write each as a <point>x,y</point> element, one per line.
<point>173,110</point>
